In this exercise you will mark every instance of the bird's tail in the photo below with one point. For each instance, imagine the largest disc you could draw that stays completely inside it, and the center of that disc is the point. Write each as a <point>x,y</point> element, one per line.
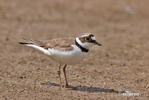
<point>25,43</point>
<point>31,43</point>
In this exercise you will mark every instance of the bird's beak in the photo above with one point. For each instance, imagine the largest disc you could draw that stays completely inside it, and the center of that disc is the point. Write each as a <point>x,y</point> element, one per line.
<point>97,43</point>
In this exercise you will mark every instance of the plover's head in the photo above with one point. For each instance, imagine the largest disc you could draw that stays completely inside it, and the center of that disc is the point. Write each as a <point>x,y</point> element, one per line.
<point>87,40</point>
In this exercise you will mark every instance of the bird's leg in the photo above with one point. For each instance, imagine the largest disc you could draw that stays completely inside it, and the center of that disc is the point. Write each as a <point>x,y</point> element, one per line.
<point>59,74</point>
<point>64,70</point>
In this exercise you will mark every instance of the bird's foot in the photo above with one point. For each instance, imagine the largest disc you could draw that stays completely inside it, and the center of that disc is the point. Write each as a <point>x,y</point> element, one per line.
<point>68,87</point>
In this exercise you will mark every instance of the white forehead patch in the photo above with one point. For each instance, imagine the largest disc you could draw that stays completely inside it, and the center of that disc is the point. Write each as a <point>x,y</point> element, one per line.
<point>93,38</point>
<point>85,35</point>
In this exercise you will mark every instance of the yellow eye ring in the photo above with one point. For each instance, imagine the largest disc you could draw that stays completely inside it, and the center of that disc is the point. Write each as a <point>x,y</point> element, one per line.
<point>87,39</point>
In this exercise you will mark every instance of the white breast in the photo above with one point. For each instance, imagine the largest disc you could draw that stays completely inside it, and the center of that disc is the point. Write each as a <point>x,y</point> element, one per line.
<point>67,57</point>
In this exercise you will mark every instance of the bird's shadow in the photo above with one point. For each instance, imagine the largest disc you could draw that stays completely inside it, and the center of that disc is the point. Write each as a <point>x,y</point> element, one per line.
<point>89,89</point>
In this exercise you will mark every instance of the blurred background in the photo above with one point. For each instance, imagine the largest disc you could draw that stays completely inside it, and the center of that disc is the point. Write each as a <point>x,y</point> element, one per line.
<point>122,27</point>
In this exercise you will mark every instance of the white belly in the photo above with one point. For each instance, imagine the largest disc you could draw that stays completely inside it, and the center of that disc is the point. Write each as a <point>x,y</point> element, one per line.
<point>67,57</point>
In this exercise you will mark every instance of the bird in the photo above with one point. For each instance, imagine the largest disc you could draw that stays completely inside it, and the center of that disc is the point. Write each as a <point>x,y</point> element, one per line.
<point>65,51</point>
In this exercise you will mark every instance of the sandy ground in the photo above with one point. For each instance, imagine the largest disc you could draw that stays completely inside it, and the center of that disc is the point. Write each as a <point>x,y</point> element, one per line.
<point>121,64</point>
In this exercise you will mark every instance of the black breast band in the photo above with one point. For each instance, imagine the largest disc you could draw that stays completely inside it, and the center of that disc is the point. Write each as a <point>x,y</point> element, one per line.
<point>82,48</point>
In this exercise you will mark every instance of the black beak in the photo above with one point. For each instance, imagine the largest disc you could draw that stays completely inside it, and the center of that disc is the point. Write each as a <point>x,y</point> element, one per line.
<point>97,43</point>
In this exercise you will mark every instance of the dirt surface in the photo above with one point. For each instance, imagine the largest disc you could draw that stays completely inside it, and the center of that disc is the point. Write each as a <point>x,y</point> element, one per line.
<point>121,64</point>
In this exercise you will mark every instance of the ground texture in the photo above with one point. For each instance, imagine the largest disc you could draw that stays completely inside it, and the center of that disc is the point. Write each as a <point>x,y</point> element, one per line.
<point>121,64</point>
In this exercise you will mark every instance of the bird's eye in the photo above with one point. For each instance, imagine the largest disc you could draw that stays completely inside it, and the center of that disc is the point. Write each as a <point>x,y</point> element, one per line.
<point>87,39</point>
